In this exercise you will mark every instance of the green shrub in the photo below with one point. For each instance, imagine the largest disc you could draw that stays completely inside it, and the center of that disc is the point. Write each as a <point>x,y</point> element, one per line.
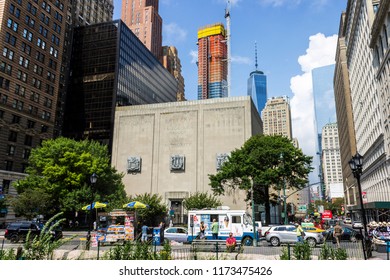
<point>302,251</point>
<point>8,254</point>
<point>131,250</point>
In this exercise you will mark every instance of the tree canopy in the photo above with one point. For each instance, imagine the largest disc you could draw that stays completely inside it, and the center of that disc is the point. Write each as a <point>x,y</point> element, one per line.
<point>200,200</point>
<point>264,161</point>
<point>61,169</point>
<point>155,213</point>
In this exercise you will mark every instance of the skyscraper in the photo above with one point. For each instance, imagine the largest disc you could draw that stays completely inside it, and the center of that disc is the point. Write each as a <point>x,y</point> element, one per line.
<point>257,87</point>
<point>331,162</point>
<point>277,117</point>
<point>143,19</point>
<point>212,62</point>
<point>106,64</point>
<point>171,61</point>
<point>32,44</point>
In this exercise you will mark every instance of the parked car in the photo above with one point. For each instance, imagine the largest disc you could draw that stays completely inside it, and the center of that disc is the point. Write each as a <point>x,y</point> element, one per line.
<point>287,234</point>
<point>313,229</point>
<point>17,231</point>
<point>349,234</point>
<point>178,234</point>
<point>347,221</point>
<point>357,224</point>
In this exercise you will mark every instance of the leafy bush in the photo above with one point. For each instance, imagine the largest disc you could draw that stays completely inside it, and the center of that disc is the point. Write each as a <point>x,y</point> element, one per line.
<point>131,250</point>
<point>328,253</point>
<point>302,251</point>
<point>8,254</point>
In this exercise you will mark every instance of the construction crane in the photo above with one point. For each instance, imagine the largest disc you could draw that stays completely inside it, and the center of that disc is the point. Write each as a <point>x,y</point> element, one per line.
<point>227,16</point>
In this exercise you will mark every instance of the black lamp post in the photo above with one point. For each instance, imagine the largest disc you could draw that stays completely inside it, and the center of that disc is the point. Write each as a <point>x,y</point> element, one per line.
<point>356,164</point>
<point>93,180</point>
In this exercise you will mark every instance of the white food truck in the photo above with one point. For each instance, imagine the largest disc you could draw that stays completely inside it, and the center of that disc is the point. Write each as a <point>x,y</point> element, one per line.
<point>236,221</point>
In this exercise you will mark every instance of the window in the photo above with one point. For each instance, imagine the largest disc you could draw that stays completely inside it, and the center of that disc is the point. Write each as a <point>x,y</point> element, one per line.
<point>11,150</point>
<point>46,115</point>
<point>34,97</point>
<point>10,39</point>
<point>25,48</point>
<point>26,153</point>
<point>44,128</point>
<point>17,104</point>
<point>13,136</point>
<point>236,219</point>
<point>47,102</point>
<point>15,119</point>
<point>8,165</point>
<point>28,140</point>
<point>30,124</point>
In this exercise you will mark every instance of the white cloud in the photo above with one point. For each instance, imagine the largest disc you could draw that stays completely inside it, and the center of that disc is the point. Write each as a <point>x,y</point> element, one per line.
<point>232,2</point>
<point>194,56</point>
<point>278,3</point>
<point>241,60</point>
<point>321,52</point>
<point>173,34</point>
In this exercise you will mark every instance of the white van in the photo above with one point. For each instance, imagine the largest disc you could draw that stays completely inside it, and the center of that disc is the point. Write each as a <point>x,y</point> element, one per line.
<point>236,221</point>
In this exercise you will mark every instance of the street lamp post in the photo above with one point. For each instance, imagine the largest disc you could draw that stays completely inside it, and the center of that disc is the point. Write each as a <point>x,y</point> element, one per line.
<point>253,218</point>
<point>284,197</point>
<point>356,164</point>
<point>93,180</point>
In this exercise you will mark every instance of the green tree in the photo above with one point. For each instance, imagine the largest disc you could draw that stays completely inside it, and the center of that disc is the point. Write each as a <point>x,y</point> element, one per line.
<point>200,200</point>
<point>155,213</point>
<point>31,203</point>
<point>264,161</point>
<point>62,167</point>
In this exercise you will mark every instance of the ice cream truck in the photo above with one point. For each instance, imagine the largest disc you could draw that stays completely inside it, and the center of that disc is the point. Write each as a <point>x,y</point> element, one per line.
<point>236,221</point>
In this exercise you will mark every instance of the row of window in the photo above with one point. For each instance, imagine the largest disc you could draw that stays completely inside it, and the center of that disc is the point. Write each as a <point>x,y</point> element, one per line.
<point>29,125</point>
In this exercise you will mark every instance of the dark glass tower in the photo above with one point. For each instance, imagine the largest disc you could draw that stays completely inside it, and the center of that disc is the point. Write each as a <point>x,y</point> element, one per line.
<point>257,89</point>
<point>111,67</point>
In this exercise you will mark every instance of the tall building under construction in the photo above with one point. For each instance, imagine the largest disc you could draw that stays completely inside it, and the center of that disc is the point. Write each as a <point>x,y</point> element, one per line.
<point>212,62</point>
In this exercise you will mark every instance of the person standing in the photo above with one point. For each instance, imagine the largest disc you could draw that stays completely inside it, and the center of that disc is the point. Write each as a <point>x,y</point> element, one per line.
<point>202,230</point>
<point>162,228</point>
<point>337,232</point>
<point>214,229</point>
<point>300,232</point>
<point>144,236</point>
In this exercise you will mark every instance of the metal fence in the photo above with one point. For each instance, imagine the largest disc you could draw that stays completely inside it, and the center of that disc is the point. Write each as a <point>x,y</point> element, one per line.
<point>218,251</point>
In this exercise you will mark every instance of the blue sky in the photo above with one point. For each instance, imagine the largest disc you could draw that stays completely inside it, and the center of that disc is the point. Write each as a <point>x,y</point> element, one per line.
<point>293,37</point>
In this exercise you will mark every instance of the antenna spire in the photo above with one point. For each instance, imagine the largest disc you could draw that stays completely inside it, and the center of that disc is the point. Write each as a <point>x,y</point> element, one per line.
<point>256,55</point>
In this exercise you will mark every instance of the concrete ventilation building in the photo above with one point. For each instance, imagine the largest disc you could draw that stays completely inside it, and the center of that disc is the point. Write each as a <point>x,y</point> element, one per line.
<point>212,62</point>
<point>111,68</point>
<point>171,61</point>
<point>32,39</point>
<point>367,104</point>
<point>169,149</point>
<point>331,163</point>
<point>277,117</point>
<point>142,17</point>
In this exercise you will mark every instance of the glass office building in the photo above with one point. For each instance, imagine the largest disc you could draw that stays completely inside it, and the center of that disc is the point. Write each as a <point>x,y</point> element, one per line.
<point>257,89</point>
<point>111,67</point>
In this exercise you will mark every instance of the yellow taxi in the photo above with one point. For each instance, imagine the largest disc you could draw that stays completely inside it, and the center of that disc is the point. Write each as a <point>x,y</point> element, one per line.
<point>309,227</point>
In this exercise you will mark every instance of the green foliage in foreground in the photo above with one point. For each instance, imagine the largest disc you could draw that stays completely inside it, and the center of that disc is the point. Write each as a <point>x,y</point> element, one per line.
<point>329,253</point>
<point>138,251</point>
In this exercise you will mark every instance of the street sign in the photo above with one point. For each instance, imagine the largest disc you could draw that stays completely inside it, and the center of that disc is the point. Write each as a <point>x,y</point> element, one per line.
<point>302,208</point>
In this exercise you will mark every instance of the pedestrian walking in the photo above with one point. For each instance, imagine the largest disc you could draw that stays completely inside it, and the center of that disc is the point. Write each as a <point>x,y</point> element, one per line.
<point>300,233</point>
<point>337,232</point>
<point>214,229</point>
